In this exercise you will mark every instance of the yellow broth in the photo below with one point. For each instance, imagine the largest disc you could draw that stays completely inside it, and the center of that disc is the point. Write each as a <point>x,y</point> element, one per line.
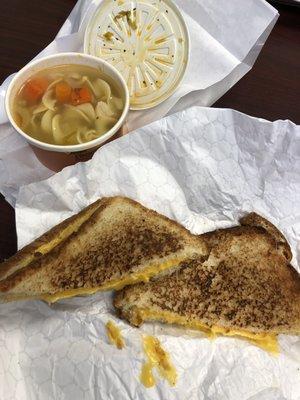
<point>68,105</point>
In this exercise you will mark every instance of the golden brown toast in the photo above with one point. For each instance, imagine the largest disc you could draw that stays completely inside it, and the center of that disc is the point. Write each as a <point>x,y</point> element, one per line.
<point>245,287</point>
<point>114,242</point>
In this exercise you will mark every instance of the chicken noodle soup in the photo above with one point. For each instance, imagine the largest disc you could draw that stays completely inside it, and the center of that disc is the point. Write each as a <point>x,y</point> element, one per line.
<point>68,105</point>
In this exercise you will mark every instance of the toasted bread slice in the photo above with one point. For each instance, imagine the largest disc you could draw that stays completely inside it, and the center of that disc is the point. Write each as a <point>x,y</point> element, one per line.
<point>245,287</point>
<point>114,242</point>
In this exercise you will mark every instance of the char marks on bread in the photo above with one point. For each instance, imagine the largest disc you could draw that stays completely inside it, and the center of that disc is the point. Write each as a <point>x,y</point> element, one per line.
<point>103,246</point>
<point>245,284</point>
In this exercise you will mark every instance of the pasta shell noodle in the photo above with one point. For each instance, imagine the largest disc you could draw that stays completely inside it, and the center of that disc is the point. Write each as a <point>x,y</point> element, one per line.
<point>53,84</point>
<point>91,134</point>
<point>88,110</point>
<point>49,100</point>
<point>103,89</point>
<point>58,134</point>
<point>87,81</point>
<point>35,120</point>
<point>39,109</point>
<point>77,111</point>
<point>84,135</point>
<point>46,121</point>
<point>103,109</point>
<point>74,79</point>
<point>99,87</point>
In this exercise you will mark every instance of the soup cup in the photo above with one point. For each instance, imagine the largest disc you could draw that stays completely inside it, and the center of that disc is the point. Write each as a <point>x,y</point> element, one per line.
<point>62,59</point>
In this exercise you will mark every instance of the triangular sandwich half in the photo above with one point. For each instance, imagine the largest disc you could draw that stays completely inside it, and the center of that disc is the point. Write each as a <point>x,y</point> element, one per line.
<point>245,287</point>
<point>112,243</point>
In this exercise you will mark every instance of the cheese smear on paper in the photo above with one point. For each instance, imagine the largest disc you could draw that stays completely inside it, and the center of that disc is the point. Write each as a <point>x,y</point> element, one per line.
<point>157,358</point>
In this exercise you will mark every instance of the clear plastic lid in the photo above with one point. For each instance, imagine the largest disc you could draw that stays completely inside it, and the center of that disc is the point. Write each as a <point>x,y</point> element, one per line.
<point>147,41</point>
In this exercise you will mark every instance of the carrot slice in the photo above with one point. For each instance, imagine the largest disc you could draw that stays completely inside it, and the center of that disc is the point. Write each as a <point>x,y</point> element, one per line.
<point>34,89</point>
<point>63,92</point>
<point>80,96</point>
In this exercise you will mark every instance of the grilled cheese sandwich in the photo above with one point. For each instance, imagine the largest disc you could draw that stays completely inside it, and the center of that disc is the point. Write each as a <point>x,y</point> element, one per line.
<point>244,288</point>
<point>112,243</point>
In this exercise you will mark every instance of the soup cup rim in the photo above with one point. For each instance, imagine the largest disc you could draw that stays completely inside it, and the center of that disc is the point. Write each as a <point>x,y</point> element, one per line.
<point>77,147</point>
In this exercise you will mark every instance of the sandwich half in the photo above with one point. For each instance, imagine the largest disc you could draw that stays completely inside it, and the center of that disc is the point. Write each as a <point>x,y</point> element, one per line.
<point>245,287</point>
<point>112,243</point>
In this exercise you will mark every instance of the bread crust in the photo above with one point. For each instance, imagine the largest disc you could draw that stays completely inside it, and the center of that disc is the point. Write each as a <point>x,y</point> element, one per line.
<point>254,219</point>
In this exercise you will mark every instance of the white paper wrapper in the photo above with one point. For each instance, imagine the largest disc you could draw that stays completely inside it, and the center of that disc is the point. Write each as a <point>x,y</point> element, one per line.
<point>204,168</point>
<point>225,42</point>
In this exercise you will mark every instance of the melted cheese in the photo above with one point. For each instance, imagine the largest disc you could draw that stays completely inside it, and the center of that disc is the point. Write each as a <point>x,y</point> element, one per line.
<point>62,235</point>
<point>114,335</point>
<point>266,341</point>
<point>116,284</point>
<point>158,358</point>
<point>147,377</point>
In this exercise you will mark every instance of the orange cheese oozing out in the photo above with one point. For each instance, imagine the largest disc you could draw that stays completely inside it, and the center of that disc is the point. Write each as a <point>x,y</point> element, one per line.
<point>157,358</point>
<point>114,335</point>
<point>267,342</point>
<point>117,284</point>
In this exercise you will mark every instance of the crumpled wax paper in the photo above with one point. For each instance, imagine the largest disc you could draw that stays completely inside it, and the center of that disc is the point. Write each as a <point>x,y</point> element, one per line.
<point>225,42</point>
<point>205,168</point>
